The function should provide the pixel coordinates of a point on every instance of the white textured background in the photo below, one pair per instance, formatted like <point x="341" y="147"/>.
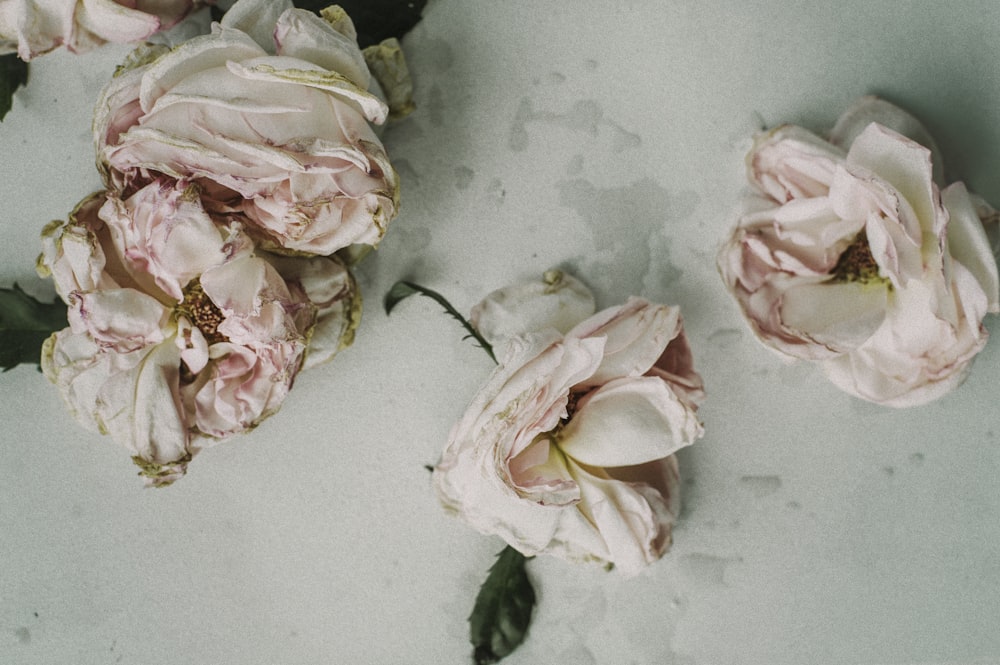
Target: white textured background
<point x="607" y="139"/>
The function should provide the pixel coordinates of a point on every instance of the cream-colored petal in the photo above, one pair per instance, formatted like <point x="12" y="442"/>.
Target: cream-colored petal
<point x="557" y="300"/>
<point x="627" y="422"/>
<point x="838" y="315"/>
<point x="636" y="333"/>
<point x="869" y="109"/>
<point x="968" y="244"/>
<point x="256" y="18"/>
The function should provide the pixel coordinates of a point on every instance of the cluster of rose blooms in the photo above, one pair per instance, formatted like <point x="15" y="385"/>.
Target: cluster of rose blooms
<point x="205" y="275"/>
<point x="850" y="254"/>
<point x="236" y="165"/>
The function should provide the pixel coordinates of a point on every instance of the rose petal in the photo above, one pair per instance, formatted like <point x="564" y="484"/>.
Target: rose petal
<point x="125" y="319"/>
<point x="904" y="164"/>
<point x="627" y="422"/>
<point x="635" y="531"/>
<point x="141" y="407"/>
<point x="871" y="109"/>
<point x="840" y="316"/>
<point x="968" y="243"/>
<point x="256" y="18"/>
<point x="301" y="34"/>
<point x="558" y="301"/>
<point x="791" y="163"/>
<point x="636" y="333"/>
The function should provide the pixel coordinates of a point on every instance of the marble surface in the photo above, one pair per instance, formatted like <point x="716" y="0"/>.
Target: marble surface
<point x="606" y="139"/>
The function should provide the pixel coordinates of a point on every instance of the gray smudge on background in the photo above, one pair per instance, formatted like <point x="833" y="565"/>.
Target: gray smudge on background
<point x="625" y="223"/>
<point x="585" y="116"/>
<point x="761" y="486"/>
<point x="463" y="177"/>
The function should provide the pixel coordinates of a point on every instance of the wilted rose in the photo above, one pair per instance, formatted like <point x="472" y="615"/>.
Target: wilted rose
<point x="181" y="333"/>
<point x="854" y="258"/>
<point x="569" y="447"/>
<point x="34" y="27"/>
<point x="270" y="115"/>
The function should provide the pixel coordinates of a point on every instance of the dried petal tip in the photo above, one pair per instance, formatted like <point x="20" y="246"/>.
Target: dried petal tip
<point x="161" y="475"/>
<point x="388" y="65"/>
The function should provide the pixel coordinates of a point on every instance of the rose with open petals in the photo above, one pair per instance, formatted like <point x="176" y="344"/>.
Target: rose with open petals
<point x="270" y="115"/>
<point x="181" y="333"/>
<point x="569" y="447"/>
<point x="855" y="259"/>
<point x="34" y="27"/>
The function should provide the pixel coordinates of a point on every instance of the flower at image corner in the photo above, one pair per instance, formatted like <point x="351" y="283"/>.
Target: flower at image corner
<point x="181" y="332"/>
<point x="852" y="257"/>
<point x="34" y="27"/>
<point x="569" y="447"/>
<point x="270" y="115"/>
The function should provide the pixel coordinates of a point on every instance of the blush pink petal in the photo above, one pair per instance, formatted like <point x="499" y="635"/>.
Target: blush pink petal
<point x="124" y="319"/>
<point x="636" y="334"/>
<point x="35" y="27"/>
<point x="244" y="388"/>
<point x="163" y="231"/>
<point x="791" y="163"/>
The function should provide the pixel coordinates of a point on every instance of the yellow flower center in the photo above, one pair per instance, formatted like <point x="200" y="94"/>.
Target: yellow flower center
<point x="856" y="263"/>
<point x="202" y="312"/>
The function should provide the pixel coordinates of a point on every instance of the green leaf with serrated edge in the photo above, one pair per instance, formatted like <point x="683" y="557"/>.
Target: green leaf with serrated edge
<point x="402" y="290"/>
<point x="25" y="323"/>
<point x="499" y="621"/>
<point x="13" y="74"/>
<point x="374" y="20"/>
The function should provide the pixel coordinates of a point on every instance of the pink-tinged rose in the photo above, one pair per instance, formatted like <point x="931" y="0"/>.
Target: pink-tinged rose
<point x="270" y="114"/>
<point x="569" y="447"/>
<point x="853" y="257"/>
<point x="181" y="332"/>
<point x="34" y="27"/>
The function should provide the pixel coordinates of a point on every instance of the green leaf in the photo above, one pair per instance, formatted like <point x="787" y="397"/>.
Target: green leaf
<point x="25" y="323"/>
<point x="13" y="74"/>
<point x="403" y="289"/>
<point x="374" y="20"/>
<point x="499" y="621"/>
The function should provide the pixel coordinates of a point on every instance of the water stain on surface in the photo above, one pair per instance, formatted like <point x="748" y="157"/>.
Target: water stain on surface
<point x="724" y="338"/>
<point x="435" y="105"/>
<point x="585" y="116"/>
<point x="439" y="54"/>
<point x="407" y="174"/>
<point x="577" y="654"/>
<point x="761" y="486"/>
<point x="706" y="569"/>
<point x="575" y="165"/>
<point x="463" y="177"/>
<point x="624" y="223"/>
<point x="496" y="190"/>
<point x="23" y="635"/>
